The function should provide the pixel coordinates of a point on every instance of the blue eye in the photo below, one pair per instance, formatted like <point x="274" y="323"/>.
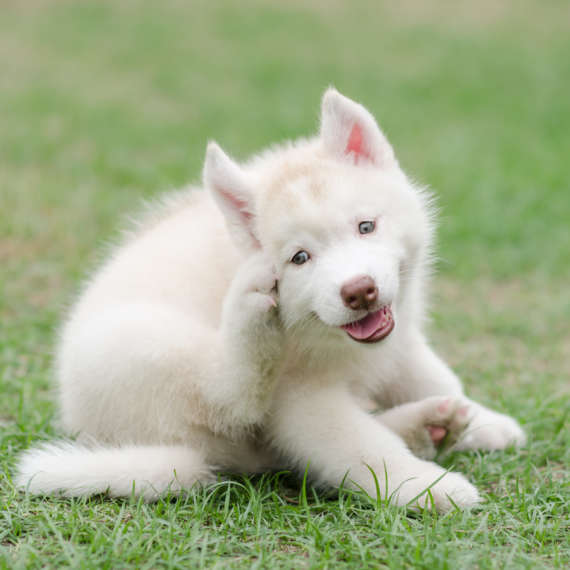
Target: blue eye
<point x="366" y="227"/>
<point x="300" y="257"/>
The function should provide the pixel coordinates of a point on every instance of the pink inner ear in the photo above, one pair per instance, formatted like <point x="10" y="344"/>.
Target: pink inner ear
<point x="355" y="144"/>
<point x="241" y="206"/>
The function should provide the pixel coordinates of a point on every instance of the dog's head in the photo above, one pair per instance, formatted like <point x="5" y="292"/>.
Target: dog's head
<point x="347" y="231"/>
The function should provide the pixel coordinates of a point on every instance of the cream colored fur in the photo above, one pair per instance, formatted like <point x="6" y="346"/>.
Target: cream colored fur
<point x="200" y="346"/>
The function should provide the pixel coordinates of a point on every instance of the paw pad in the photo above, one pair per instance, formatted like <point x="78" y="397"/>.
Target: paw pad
<point x="437" y="433"/>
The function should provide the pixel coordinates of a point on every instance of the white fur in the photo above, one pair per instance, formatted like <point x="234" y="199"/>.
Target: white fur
<point x="147" y="471"/>
<point x="200" y="345"/>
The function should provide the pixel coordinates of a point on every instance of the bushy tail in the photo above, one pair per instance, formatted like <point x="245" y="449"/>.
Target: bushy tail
<point x="75" y="470"/>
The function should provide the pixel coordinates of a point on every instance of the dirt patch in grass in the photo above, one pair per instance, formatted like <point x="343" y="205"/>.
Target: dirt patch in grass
<point x="20" y="249"/>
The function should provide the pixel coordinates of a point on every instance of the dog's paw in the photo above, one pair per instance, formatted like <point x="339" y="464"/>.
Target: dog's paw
<point x="260" y="285"/>
<point x="253" y="292"/>
<point x="431" y="486"/>
<point x="445" y="419"/>
<point x="490" y="430"/>
<point x="430" y="425"/>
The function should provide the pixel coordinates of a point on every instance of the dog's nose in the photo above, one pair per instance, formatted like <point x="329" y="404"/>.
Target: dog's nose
<point x="359" y="293"/>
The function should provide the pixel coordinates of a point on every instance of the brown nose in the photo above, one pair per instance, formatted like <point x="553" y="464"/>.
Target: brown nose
<point x="359" y="293"/>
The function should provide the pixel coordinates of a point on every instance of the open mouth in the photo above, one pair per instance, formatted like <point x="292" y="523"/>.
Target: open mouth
<point x="373" y="327"/>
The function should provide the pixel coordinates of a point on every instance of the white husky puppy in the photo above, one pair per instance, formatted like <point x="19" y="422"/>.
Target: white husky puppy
<point x="244" y="328"/>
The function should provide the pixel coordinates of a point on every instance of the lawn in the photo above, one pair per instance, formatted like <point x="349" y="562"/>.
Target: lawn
<point x="104" y="103"/>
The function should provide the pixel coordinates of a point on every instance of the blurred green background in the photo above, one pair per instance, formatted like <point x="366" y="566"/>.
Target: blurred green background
<point x="105" y="103"/>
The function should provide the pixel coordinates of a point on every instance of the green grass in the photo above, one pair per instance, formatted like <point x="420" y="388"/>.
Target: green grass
<point x="102" y="104"/>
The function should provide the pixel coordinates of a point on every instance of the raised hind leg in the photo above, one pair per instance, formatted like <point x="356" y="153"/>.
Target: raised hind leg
<point x="429" y="425"/>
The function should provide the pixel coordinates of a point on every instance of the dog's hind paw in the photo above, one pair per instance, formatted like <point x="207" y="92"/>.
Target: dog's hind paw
<point x="430" y="425"/>
<point x="490" y="430"/>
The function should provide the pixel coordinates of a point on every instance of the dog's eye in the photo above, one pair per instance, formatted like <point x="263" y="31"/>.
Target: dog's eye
<point x="300" y="257"/>
<point x="366" y="227"/>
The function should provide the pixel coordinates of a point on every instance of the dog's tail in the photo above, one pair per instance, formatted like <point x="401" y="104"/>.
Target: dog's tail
<point x="74" y="470"/>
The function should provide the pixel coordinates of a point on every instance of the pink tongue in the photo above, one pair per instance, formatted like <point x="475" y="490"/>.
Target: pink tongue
<point x="366" y="327"/>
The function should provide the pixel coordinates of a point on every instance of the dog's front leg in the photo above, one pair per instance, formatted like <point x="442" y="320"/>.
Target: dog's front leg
<point x="423" y="374"/>
<point x="321" y="426"/>
<point x="249" y="344"/>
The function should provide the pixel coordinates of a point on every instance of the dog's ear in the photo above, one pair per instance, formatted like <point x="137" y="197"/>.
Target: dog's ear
<point x="349" y="131"/>
<point x="226" y="181"/>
